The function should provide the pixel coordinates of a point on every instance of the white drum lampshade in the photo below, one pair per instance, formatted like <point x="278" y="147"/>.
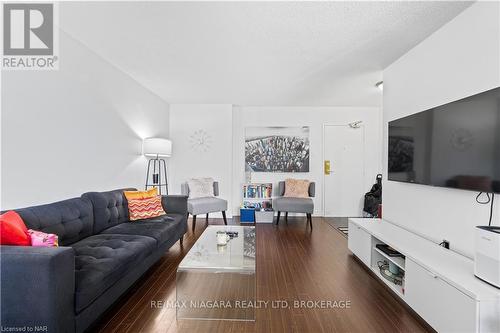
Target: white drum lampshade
<point x="157" y="147"/>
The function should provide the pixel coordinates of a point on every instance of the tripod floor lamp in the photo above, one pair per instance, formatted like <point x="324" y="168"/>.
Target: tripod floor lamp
<point x="157" y="149"/>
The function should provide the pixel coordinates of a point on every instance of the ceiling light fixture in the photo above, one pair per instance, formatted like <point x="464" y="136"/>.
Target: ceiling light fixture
<point x="380" y="85"/>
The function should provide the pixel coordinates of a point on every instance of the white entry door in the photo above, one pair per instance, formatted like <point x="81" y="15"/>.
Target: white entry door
<point x="344" y="188"/>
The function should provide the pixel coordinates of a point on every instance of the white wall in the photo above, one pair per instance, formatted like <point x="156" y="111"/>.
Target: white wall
<point x="225" y="160"/>
<point x="188" y="161"/>
<point x="459" y="60"/>
<point x="315" y="118"/>
<point x="74" y="130"/>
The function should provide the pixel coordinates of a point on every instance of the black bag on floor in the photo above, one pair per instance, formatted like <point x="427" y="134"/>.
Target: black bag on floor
<point x="374" y="198"/>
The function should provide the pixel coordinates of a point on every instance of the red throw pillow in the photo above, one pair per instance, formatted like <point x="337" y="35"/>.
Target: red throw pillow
<point x="12" y="230"/>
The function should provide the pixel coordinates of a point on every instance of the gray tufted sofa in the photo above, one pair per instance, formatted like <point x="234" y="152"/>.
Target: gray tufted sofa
<point x="101" y="255"/>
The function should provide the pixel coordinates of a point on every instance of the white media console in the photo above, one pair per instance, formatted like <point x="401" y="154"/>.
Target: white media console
<point x="439" y="284"/>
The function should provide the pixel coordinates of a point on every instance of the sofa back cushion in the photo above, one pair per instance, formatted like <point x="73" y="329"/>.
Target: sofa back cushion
<point x="71" y="220"/>
<point x="110" y="208"/>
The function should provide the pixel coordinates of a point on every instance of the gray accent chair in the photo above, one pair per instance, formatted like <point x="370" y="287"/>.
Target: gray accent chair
<point x="294" y="205"/>
<point x="198" y="206"/>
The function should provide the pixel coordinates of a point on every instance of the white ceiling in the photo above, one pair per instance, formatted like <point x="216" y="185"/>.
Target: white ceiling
<point x="256" y="53"/>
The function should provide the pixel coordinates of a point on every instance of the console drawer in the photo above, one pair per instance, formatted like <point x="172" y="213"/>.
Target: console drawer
<point x="440" y="304"/>
<point x="360" y="242"/>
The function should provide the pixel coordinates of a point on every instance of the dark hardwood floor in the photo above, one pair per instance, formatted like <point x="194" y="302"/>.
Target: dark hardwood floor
<point x="293" y="263"/>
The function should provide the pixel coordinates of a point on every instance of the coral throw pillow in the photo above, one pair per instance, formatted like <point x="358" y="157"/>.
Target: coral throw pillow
<point x="42" y="239"/>
<point x="12" y="230"/>
<point x="130" y="195"/>
<point x="145" y="208"/>
<point x="297" y="188"/>
<point x="201" y="188"/>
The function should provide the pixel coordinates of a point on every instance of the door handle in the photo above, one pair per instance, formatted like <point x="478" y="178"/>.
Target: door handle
<point x="327" y="167"/>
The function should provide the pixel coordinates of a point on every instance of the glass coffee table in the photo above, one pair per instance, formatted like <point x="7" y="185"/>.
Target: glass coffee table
<point x="218" y="282"/>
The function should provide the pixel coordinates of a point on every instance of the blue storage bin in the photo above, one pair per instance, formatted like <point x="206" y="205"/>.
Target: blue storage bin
<point x="247" y="215"/>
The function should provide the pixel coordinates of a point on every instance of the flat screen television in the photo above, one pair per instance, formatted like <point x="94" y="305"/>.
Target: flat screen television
<point x="454" y="145"/>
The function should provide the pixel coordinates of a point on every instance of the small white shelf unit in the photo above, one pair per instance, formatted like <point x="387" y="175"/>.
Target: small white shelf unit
<point x="260" y="194"/>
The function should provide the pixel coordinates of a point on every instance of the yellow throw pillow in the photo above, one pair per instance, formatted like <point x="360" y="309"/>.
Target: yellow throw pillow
<point x="131" y="195"/>
<point x="297" y="188"/>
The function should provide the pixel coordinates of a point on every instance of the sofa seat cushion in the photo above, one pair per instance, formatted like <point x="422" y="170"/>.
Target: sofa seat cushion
<point x="102" y="260"/>
<point x="161" y="228"/>
<point x="293" y="205"/>
<point x="206" y="205"/>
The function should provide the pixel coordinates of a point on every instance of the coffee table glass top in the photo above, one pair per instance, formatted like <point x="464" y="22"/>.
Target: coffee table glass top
<point x="237" y="256"/>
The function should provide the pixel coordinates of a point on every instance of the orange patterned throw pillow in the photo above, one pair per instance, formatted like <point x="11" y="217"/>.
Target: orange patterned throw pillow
<point x="145" y="208"/>
<point x="297" y="188"/>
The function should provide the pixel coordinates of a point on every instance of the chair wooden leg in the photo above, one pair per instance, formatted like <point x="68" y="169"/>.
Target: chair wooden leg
<point x="286" y="217"/>
<point x="309" y="219"/>
<point x="278" y="218"/>
<point x="194" y="222"/>
<point x="224" y="217"/>
<point x="206" y="219"/>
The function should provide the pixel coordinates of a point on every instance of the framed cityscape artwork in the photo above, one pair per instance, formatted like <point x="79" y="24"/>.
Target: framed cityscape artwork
<point x="277" y="149"/>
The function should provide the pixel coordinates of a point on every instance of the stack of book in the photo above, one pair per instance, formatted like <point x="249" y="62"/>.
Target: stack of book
<point x="260" y="191"/>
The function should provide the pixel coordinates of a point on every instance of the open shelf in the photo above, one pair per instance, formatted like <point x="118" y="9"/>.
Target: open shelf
<point x="398" y="261"/>
<point x="377" y="256"/>
<point x="394" y="287"/>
